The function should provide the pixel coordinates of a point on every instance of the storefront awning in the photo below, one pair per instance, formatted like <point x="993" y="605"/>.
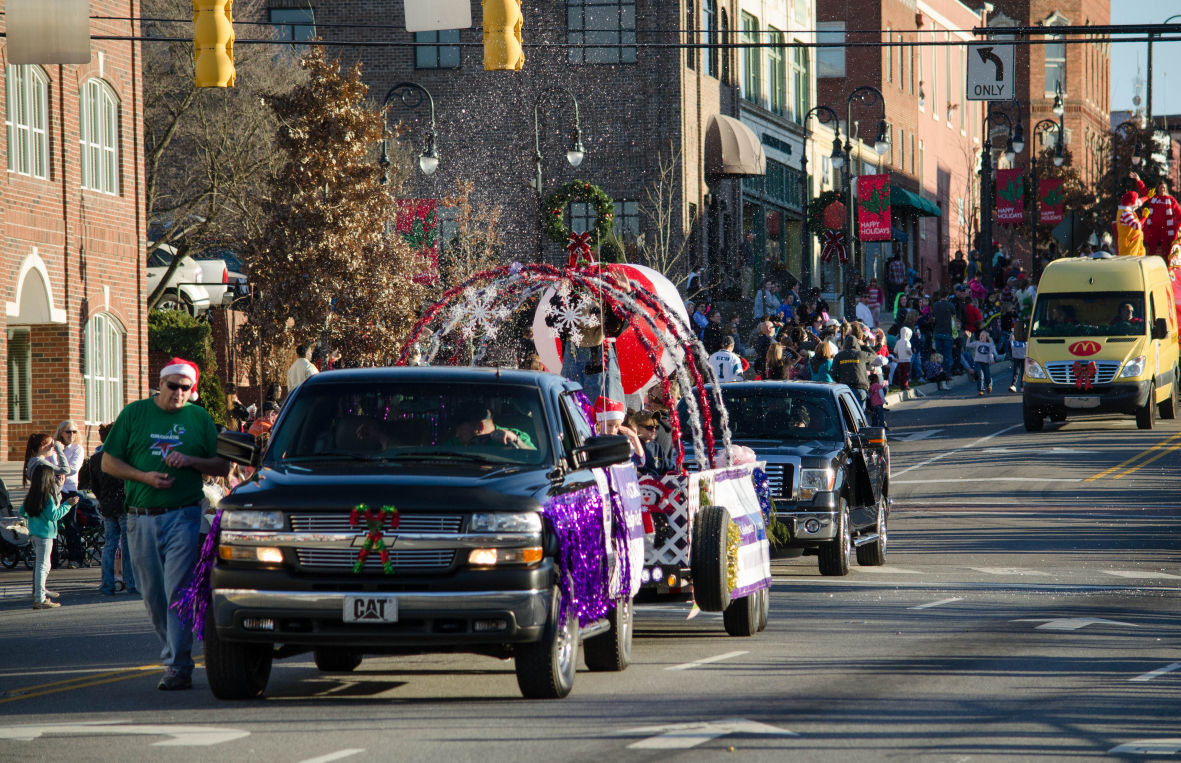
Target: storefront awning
<point x="900" y="197"/>
<point x="732" y="149"/>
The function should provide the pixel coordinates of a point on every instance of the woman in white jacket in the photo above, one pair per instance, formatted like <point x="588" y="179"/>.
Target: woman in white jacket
<point x="902" y="355"/>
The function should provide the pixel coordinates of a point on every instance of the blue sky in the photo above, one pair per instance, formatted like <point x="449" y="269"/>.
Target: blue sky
<point x="1166" y="59"/>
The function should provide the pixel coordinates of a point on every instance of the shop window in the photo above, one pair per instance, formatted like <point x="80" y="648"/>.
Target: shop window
<point x="26" y="118"/>
<point x="752" y="62"/>
<point x="103" y="368"/>
<point x="777" y="68"/>
<point x="20" y="379"/>
<point x="830" y="62"/>
<point x="802" y="83"/>
<point x="99" y="129"/>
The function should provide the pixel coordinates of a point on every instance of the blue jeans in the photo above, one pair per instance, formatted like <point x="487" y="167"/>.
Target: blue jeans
<point x="983" y="375"/>
<point x="877" y="416"/>
<point x="1018" y="373"/>
<point x="945" y="346"/>
<point x="116" y="533"/>
<point x="164" y="550"/>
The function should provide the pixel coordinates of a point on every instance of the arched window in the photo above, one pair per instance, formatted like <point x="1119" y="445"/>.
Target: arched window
<point x="26" y="117"/>
<point x="709" y="36"/>
<point x="102" y="355"/>
<point x="99" y="120"/>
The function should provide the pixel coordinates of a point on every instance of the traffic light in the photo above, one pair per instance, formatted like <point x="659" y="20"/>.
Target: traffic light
<point x="502" y="35"/>
<point x="213" y="43"/>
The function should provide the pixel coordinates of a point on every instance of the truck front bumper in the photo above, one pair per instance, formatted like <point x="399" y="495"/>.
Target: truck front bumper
<point x="1125" y="397"/>
<point x="809" y="523"/>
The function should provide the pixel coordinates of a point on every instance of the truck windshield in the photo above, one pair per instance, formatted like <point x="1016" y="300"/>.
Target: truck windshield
<point x="1105" y="313"/>
<point x="774" y="413"/>
<point x="407" y="422"/>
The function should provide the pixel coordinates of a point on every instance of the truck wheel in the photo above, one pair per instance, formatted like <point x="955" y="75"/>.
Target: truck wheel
<point x="741" y="618"/>
<point x="710" y="557"/>
<point x="834" y="554"/>
<point x="612" y="651"/>
<point x="1034" y="421"/>
<point x="235" y="670"/>
<point x="764" y="608"/>
<point x="1146" y="415"/>
<point x="874" y="554"/>
<point x="545" y="669"/>
<point x="329" y="660"/>
<point x="1167" y="408"/>
<point x="1058" y="416"/>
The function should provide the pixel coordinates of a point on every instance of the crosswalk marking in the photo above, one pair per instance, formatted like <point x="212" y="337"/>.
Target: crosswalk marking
<point x="1140" y="574"/>
<point x="1007" y="571"/>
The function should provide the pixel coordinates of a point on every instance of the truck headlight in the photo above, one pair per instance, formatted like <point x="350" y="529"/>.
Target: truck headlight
<point x="252" y="520"/>
<point x="1034" y="370"/>
<point x="813" y="481"/>
<point x="1133" y="368"/>
<point x="496" y="522"/>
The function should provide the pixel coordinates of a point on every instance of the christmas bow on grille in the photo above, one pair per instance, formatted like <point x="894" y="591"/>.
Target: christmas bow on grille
<point x="375" y="521"/>
<point x="579" y="248"/>
<point x="833" y="243"/>
<point x="1084" y="374"/>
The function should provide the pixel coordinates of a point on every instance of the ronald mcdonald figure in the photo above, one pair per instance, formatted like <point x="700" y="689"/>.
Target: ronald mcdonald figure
<point x="1129" y="233"/>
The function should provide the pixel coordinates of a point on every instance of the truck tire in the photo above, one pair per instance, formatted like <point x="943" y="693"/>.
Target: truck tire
<point x="710" y="555"/>
<point x="764" y="608"/>
<point x="612" y="651"/>
<point x="1167" y="408"/>
<point x="332" y="660"/>
<point x="741" y="618"/>
<point x="1034" y="421"/>
<point x="835" y="554"/>
<point x="235" y="670"/>
<point x="545" y="669"/>
<point x="1146" y="415"/>
<point x="1058" y="416"/>
<point x="874" y="554"/>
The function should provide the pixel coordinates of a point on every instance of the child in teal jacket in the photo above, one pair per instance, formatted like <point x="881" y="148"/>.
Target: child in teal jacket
<point x="43" y="507"/>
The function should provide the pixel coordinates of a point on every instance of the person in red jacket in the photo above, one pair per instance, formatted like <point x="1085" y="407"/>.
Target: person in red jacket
<point x="1163" y="223"/>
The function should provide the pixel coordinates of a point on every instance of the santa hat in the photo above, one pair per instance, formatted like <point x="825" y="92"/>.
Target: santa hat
<point x="185" y="368"/>
<point x="607" y="409"/>
<point x="1130" y="199"/>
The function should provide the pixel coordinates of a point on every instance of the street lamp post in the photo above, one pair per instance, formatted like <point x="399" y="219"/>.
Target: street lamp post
<point x="1136" y="158"/>
<point x="1043" y="125"/>
<point x="1012" y="145"/>
<point x="838" y="160"/>
<point x="1148" y="93"/>
<point x="881" y="145"/>
<point x="411" y="94"/>
<point x="574" y="153"/>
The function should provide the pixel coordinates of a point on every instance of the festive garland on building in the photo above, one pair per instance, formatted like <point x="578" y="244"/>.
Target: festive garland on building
<point x="816" y="209"/>
<point x="553" y="213"/>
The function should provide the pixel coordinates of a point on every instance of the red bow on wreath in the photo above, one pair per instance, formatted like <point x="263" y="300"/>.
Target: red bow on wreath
<point x="833" y="243"/>
<point x="375" y="520"/>
<point x="579" y="248"/>
<point x="1084" y="374"/>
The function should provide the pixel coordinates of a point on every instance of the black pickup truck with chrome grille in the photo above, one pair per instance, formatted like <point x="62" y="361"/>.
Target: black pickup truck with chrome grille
<point x="459" y="471"/>
<point x="829" y="472"/>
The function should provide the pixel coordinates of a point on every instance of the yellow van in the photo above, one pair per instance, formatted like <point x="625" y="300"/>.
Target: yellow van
<point x="1102" y="339"/>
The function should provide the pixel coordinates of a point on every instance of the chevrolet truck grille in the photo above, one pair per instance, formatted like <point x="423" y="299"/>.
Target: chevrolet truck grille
<point x="403" y="561"/>
<point x="338" y="522"/>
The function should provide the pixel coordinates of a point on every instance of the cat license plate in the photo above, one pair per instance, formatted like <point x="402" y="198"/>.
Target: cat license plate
<point x="370" y="609"/>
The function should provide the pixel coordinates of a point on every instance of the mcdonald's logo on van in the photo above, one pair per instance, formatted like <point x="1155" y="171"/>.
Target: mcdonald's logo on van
<point x="1085" y="348"/>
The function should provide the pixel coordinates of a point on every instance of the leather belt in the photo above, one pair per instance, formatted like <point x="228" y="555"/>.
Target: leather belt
<point x="151" y="511"/>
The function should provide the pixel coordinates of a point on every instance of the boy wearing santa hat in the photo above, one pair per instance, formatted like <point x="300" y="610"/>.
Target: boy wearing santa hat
<point x="162" y="447"/>
<point x="609" y="416"/>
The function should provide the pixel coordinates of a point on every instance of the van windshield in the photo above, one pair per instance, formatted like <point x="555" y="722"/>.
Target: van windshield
<point x="1105" y="313"/>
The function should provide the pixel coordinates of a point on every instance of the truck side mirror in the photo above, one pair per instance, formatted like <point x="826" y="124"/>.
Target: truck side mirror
<point x="873" y="437"/>
<point x="239" y="448"/>
<point x="1160" y="329"/>
<point x="603" y="450"/>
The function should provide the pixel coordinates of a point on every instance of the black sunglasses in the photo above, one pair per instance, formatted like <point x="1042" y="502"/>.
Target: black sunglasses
<point x="69" y="431"/>
<point x="174" y="386"/>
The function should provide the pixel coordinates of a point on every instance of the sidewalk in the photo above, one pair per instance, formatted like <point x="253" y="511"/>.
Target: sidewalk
<point x="1001" y="372"/>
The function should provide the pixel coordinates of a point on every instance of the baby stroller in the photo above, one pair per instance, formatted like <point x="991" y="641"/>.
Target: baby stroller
<point x="90" y="530"/>
<point x="14" y="536"/>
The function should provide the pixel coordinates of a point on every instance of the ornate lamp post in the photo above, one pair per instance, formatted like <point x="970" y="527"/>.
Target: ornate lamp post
<point x="1043" y="125"/>
<point x="574" y="153"/>
<point x="411" y="94"/>
<point x="1122" y="127"/>
<point x="837" y="158"/>
<point x="881" y="145"/>
<point x="1014" y="143"/>
<point x="1148" y="94"/>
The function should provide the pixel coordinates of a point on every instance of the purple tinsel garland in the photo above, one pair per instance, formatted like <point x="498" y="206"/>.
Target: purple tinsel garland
<point x="588" y="409"/>
<point x="194" y="599"/>
<point x="620" y="534"/>
<point x="763" y="491"/>
<point x="577" y="521"/>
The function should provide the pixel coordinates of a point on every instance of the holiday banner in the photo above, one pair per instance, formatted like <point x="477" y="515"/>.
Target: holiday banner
<point x="1052" y="201"/>
<point x="1010" y="197"/>
<point x="873" y="208"/>
<point x="417" y="222"/>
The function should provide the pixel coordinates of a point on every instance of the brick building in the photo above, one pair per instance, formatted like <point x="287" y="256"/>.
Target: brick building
<point x="71" y="236"/>
<point x="637" y="106"/>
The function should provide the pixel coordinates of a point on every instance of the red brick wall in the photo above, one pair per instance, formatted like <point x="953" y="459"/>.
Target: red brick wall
<point x="91" y="242"/>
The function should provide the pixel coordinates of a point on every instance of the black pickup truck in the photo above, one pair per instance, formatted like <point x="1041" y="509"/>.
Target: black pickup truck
<point x="829" y="472"/>
<point x="474" y="462"/>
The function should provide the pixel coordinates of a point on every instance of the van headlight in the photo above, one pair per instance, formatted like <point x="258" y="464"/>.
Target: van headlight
<point x="813" y="481"/>
<point x="496" y="522"/>
<point x="1133" y="368"/>
<point x="252" y="520"/>
<point x="1034" y="370"/>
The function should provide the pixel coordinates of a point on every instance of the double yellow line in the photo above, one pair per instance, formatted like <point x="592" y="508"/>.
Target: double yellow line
<point x="79" y="682"/>
<point x="1161" y="449"/>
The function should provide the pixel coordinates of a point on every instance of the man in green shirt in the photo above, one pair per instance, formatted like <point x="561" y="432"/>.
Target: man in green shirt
<point x="161" y="447"/>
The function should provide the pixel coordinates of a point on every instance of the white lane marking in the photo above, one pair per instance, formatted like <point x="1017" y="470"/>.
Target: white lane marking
<point x="947" y="453"/>
<point x="922" y="434"/>
<point x="1070" y="623"/>
<point x="1007" y="571"/>
<point x="885" y="570"/>
<point x="181" y="736"/>
<point x="1148" y="747"/>
<point x="958" y="480"/>
<point x="335" y="755"/>
<point x="1156" y="673"/>
<point x="682" y="736"/>
<point x="1140" y="575"/>
<point x="706" y="661"/>
<point x="980" y="585"/>
<point x="939" y="603"/>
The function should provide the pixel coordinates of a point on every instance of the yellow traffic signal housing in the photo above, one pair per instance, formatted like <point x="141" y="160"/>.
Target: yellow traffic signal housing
<point x="213" y="42"/>
<point x="502" y="35"/>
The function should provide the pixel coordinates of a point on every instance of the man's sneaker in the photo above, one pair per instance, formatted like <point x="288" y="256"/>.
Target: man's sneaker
<point x="174" y="680"/>
<point x="989" y="389"/>
<point x="980" y="393"/>
<point x="1012" y="387"/>
<point x="47" y="604"/>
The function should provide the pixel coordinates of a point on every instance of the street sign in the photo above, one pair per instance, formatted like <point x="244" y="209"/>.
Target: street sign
<point x="991" y="72"/>
<point x="430" y="15"/>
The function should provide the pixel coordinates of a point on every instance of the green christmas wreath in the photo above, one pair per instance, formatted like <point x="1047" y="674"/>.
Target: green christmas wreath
<point x="816" y="209"/>
<point x="553" y="212"/>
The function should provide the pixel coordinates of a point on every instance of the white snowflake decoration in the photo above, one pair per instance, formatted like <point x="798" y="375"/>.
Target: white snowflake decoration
<point x="571" y="314"/>
<point x="479" y="313"/>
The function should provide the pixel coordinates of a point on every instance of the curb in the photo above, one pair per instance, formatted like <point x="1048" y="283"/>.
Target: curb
<point x="958" y="383"/>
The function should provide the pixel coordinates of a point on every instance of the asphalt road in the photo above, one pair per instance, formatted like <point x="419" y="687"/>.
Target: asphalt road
<point x="1028" y="609"/>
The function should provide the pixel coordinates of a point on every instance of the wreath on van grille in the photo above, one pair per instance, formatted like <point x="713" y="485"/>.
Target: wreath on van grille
<point x="553" y="212"/>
